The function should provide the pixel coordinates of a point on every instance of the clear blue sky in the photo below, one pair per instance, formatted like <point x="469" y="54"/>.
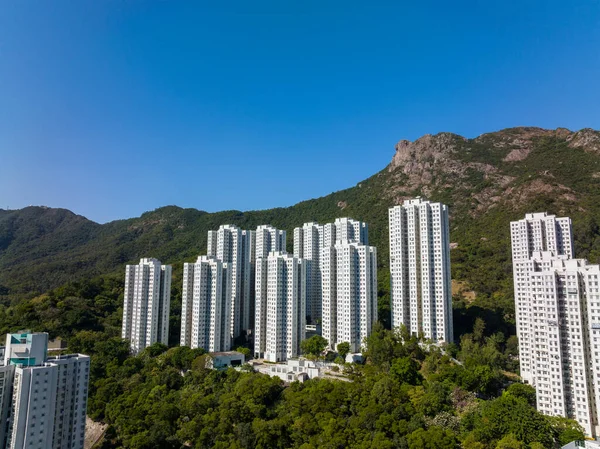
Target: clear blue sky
<point x="112" y="108"/>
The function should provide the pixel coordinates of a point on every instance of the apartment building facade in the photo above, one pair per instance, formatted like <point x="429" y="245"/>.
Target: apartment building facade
<point x="147" y="302"/>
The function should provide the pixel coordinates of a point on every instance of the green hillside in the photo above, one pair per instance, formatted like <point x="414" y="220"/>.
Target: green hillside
<point x="487" y="182"/>
<point x="63" y="274"/>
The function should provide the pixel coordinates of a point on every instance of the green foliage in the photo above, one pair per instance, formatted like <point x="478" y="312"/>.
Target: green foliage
<point x="566" y="430"/>
<point x="432" y="438"/>
<point x="508" y="414"/>
<point x="314" y="345"/>
<point x="343" y="349"/>
<point x="510" y="442"/>
<point x="406" y="370"/>
<point x="523" y="391"/>
<point x="406" y="396"/>
<point x="246" y="351"/>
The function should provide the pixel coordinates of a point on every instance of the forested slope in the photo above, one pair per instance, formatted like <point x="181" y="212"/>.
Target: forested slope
<point x="487" y="182"/>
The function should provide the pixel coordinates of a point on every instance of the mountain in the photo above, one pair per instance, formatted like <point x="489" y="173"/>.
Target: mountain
<point x="487" y="182"/>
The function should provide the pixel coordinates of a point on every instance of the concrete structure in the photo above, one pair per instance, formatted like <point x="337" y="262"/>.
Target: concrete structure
<point x="587" y="444"/>
<point x="269" y="239"/>
<point x="48" y="395"/>
<point x="307" y="246"/>
<point x="421" y="292"/>
<point x="146" y="304"/>
<point x="536" y="233"/>
<point x="223" y="360"/>
<point x="355" y="308"/>
<point x="310" y="241"/>
<point x="566" y="320"/>
<point x="280" y="330"/>
<point x="236" y="247"/>
<point x="295" y="370"/>
<point x="205" y="305"/>
<point x="347" y="229"/>
<point x="347" y="312"/>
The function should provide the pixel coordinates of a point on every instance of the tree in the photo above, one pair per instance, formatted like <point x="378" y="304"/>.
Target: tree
<point x="566" y="429"/>
<point x="432" y="438"/>
<point x="313" y="345"/>
<point x="536" y="445"/>
<point x="510" y="442"/>
<point x="247" y="353"/>
<point x="471" y="443"/>
<point x="406" y="370"/>
<point x="523" y="391"/>
<point x="343" y="349"/>
<point x="478" y="330"/>
<point x="508" y="414"/>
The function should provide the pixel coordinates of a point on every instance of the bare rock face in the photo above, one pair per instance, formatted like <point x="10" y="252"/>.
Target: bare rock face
<point x="587" y="138"/>
<point x="423" y="152"/>
<point x="447" y="162"/>
<point x="518" y="154"/>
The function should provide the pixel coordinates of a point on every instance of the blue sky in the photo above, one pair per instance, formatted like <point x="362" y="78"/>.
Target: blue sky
<point x="112" y="108"/>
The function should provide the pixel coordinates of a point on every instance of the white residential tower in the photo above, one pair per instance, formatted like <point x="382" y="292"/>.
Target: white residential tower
<point x="205" y="305"/>
<point x="48" y="395"/>
<point x="421" y="292"/>
<point x="146" y="304"/>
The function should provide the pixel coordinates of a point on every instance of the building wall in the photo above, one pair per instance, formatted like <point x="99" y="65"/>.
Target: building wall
<point x="146" y="304"/>
<point x="72" y="373"/>
<point x="536" y="233"/>
<point x="204" y="305"/>
<point x="421" y="293"/>
<point x="48" y="396"/>
<point x="307" y="245"/>
<point x="329" y="291"/>
<point x="286" y="306"/>
<point x="34" y="400"/>
<point x="562" y="351"/>
<point x="6" y="382"/>
<point x="356" y="287"/>
<point x="260" y="327"/>
<point x="187" y="301"/>
<point x="237" y="248"/>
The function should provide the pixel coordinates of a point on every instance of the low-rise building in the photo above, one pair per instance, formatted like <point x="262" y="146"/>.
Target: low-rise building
<point x="295" y="370"/>
<point x="223" y="360"/>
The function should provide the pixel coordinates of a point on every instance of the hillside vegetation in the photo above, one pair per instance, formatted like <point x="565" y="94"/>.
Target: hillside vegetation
<point x="63" y="274"/>
<point x="487" y="182"/>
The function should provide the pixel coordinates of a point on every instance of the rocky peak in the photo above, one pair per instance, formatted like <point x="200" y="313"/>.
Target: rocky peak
<point x="586" y="138"/>
<point x="428" y="149"/>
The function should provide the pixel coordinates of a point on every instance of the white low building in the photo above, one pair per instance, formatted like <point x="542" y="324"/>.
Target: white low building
<point x="223" y="360"/>
<point x="295" y="369"/>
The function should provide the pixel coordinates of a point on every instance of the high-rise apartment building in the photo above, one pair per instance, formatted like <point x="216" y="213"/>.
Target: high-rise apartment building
<point x="355" y="309"/>
<point x="348" y="275"/>
<point x="565" y="306"/>
<point x="236" y="247"/>
<point x="147" y="304"/>
<point x="310" y="241"/>
<point x="421" y="291"/>
<point x="43" y="398"/>
<point x="268" y="239"/>
<point x="347" y="229"/>
<point x="205" y="302"/>
<point x="307" y="245"/>
<point x="278" y="337"/>
<point x="536" y="233"/>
